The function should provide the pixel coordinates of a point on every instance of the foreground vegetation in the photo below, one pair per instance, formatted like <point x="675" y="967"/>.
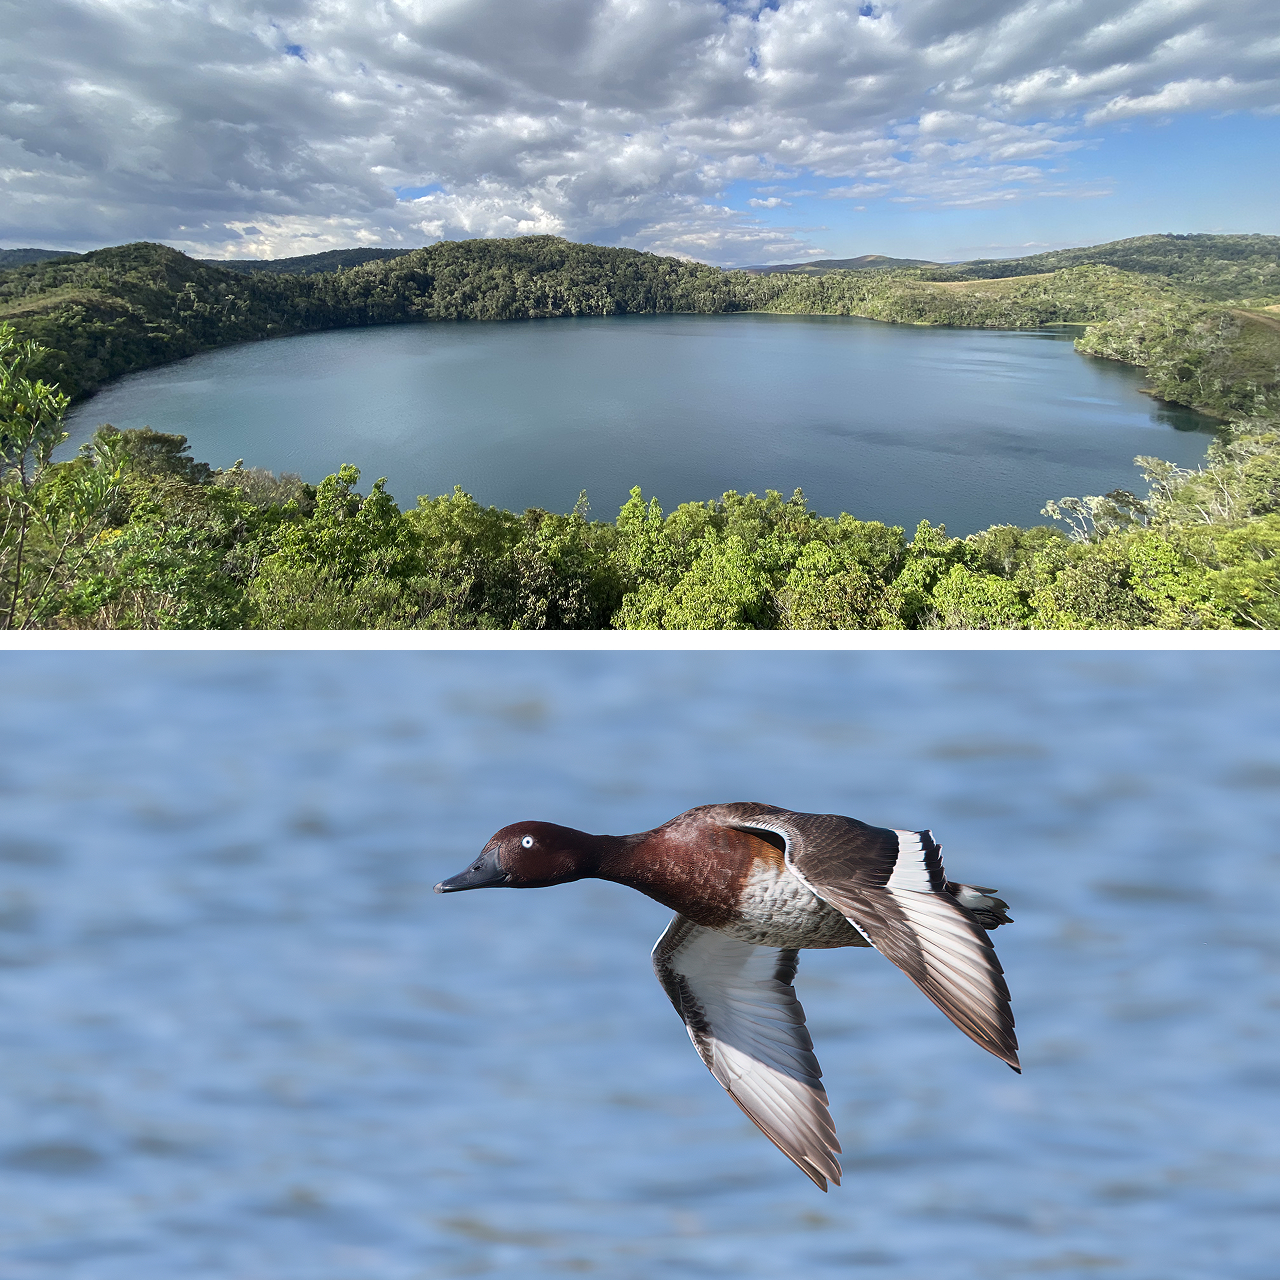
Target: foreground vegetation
<point x="135" y="533"/>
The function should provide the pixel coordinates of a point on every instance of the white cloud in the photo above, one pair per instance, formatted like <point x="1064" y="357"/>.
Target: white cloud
<point x="622" y="121"/>
<point x="1187" y="95"/>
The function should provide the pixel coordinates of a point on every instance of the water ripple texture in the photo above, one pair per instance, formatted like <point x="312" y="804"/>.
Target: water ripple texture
<point x="242" y="1040"/>
<point x="898" y="423"/>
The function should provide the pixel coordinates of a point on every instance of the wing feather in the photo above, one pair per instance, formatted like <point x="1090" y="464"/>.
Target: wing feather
<point x="743" y="1017"/>
<point x="891" y="886"/>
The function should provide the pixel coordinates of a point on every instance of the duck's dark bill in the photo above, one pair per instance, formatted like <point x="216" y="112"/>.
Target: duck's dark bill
<point x="484" y="873"/>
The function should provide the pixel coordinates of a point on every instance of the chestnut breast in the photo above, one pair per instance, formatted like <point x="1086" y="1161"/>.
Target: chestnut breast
<point x="696" y="868"/>
<point x="732" y="881"/>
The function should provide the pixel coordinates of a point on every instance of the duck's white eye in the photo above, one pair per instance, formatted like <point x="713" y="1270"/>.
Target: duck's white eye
<point x="527" y="842"/>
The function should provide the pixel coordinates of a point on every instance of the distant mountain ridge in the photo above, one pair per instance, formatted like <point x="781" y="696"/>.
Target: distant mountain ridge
<point x="24" y="257"/>
<point x="867" y="262"/>
<point x="1217" y="267"/>
<point x="309" y="264"/>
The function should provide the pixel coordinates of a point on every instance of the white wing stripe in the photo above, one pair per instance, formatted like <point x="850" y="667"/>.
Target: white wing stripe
<point x="743" y="1072"/>
<point x="768" y="1091"/>
<point x="959" y="945"/>
<point x="933" y="902"/>
<point x="952" y="951"/>
<point x="910" y="871"/>
<point x="962" y="938"/>
<point x="943" y="932"/>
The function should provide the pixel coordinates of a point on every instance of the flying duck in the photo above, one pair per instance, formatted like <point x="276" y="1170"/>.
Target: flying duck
<point x="751" y="885"/>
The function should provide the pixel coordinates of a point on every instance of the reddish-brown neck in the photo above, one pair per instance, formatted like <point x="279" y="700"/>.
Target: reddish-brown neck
<point x="697" y="869"/>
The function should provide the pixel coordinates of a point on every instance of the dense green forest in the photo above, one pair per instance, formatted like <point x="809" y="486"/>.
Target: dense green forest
<point x="115" y="311"/>
<point x="135" y="533"/>
<point x="118" y="310"/>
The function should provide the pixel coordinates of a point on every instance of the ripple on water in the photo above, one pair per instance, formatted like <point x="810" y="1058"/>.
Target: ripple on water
<point x="898" y="423"/>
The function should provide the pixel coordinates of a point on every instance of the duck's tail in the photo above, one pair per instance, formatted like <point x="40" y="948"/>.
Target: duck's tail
<point x="991" y="912"/>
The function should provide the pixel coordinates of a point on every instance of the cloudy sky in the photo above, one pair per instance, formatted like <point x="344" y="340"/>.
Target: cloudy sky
<point x="721" y="130"/>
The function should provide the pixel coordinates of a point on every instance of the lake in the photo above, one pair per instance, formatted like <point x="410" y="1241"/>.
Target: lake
<point x="898" y="423"/>
<point x="243" y="1040"/>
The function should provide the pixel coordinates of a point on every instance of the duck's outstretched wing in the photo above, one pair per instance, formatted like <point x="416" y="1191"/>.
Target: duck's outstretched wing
<point x="743" y="1017"/>
<point x="891" y="887"/>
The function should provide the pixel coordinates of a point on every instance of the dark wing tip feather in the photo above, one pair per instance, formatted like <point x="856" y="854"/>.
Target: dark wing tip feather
<point x="804" y="1163"/>
<point x="991" y="1027"/>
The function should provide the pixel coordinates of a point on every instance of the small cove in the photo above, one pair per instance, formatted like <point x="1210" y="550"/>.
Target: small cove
<point x="968" y="427"/>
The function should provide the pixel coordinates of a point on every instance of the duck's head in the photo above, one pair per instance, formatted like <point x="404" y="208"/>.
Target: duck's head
<point x="527" y="855"/>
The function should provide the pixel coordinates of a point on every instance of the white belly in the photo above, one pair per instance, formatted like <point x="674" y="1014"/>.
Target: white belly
<point x="778" y="910"/>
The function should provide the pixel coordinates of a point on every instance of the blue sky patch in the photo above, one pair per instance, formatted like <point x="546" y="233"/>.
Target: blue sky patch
<point x="416" y="193"/>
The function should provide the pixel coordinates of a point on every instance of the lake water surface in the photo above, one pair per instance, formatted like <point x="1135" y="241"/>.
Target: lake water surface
<point x="899" y="423"/>
<point x="241" y="1039"/>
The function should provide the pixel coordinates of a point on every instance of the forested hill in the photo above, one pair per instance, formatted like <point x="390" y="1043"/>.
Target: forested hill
<point x="1211" y="267"/>
<point x="309" y="264"/>
<point x="114" y="311"/>
<point x="1214" y="267"/>
<point x="823" y="266"/>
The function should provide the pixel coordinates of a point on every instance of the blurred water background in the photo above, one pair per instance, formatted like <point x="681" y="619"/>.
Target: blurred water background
<point x="242" y="1040"/>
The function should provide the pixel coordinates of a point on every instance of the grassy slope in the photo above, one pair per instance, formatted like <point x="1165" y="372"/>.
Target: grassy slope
<point x="1217" y="268"/>
<point x="1265" y="316"/>
<point x="1259" y="348"/>
<point x="1078" y="295"/>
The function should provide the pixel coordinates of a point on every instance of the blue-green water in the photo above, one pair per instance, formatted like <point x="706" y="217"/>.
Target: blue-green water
<point x="243" y="1040"/>
<point x="890" y="422"/>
